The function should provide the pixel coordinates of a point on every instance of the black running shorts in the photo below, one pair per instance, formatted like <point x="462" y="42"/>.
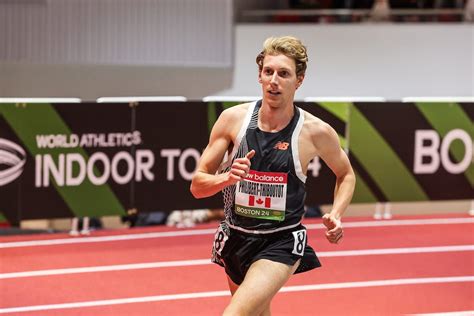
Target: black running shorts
<point x="236" y="251"/>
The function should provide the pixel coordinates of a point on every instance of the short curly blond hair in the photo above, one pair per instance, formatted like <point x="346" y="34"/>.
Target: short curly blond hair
<point x="287" y="45"/>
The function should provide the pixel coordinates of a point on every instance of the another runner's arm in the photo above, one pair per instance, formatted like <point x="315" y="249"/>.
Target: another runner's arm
<point x="329" y="149"/>
<point x="205" y="181"/>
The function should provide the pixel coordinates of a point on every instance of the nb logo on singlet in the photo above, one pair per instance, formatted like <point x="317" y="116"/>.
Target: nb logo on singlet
<point x="281" y="146"/>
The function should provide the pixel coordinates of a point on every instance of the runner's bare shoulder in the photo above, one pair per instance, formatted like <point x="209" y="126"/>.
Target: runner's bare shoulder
<point x="233" y="117"/>
<point x="236" y="111"/>
<point x="315" y="134"/>
<point x="315" y="126"/>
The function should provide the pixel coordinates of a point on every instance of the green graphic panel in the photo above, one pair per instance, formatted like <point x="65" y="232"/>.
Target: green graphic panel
<point x="339" y="109"/>
<point x="211" y="116"/>
<point x="445" y="117"/>
<point x="212" y="110"/>
<point x="227" y="105"/>
<point x="381" y="162"/>
<point x="362" y="193"/>
<point x="2" y="218"/>
<point x="33" y="119"/>
<point x="342" y="141"/>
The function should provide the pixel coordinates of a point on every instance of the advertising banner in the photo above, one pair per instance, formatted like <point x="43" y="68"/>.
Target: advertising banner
<point x="98" y="159"/>
<point x="72" y="153"/>
<point x="412" y="151"/>
<point x="174" y="135"/>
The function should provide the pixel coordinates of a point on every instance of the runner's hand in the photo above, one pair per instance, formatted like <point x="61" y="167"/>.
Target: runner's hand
<point x="240" y="167"/>
<point x="334" y="232"/>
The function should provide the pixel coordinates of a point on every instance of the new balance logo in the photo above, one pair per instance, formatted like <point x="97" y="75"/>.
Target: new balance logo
<point x="281" y="146"/>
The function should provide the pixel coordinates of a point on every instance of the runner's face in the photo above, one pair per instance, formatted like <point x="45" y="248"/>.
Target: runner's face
<point x="278" y="79"/>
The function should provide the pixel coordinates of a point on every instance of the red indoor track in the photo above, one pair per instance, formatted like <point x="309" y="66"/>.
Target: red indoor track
<point x="407" y="265"/>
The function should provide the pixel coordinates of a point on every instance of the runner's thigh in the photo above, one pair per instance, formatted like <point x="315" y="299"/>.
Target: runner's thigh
<point x="263" y="280"/>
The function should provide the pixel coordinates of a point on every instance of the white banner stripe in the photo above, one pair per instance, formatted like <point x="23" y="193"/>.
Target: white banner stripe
<point x="312" y="287"/>
<point x="183" y="263"/>
<point x="195" y="232"/>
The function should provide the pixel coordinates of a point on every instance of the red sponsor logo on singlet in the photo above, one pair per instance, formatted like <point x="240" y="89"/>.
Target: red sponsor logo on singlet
<point x="281" y="146"/>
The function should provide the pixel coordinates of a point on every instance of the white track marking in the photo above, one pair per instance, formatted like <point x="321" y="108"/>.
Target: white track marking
<point x="299" y="288"/>
<point x="72" y="240"/>
<point x="390" y="251"/>
<point x="410" y="222"/>
<point x="183" y="263"/>
<point x="118" y="267"/>
<point x="458" y="313"/>
<point x="80" y="240"/>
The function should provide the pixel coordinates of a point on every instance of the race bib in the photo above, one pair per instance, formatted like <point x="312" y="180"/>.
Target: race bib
<point x="262" y="195"/>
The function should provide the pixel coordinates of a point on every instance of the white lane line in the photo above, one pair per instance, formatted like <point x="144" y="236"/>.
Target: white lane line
<point x="404" y="222"/>
<point x="389" y="251"/>
<point x="194" y="232"/>
<point x="457" y="313"/>
<point x="183" y="263"/>
<point x="298" y="288"/>
<point x="80" y="240"/>
<point x="118" y="267"/>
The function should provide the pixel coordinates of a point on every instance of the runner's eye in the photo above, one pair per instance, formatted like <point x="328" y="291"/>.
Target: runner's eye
<point x="268" y="72"/>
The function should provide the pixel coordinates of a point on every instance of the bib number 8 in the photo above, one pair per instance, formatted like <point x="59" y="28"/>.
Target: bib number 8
<point x="299" y="242"/>
<point x="219" y="240"/>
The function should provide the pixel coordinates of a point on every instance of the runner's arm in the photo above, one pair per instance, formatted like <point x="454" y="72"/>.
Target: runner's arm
<point x="331" y="152"/>
<point x="205" y="181"/>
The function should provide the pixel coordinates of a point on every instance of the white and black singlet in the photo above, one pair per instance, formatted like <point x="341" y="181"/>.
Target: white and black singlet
<point x="272" y="196"/>
<point x="263" y="213"/>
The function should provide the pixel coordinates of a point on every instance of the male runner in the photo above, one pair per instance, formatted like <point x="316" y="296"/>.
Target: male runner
<point x="269" y="144"/>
